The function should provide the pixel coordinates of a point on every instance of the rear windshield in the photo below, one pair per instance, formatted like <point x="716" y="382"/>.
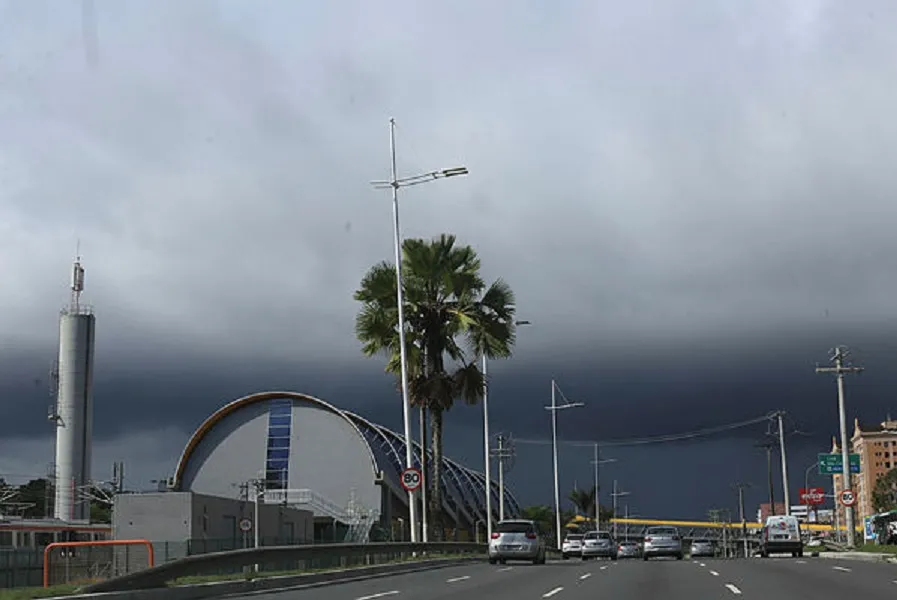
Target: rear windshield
<point x="515" y="527"/>
<point x="662" y="531"/>
<point x="628" y="544"/>
<point x="702" y="541"/>
<point x="603" y="535"/>
<point x="574" y="537"/>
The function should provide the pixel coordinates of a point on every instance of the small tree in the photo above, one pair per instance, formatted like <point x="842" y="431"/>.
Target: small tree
<point x="884" y="494"/>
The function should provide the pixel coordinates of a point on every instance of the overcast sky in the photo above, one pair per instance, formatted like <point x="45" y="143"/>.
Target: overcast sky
<point x="693" y="201"/>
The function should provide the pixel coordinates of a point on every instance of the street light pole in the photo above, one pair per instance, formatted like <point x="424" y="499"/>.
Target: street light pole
<point x="394" y="184"/>
<point x="807" y="490"/>
<point x="616" y="495"/>
<point x="597" y="461"/>
<point x="786" y="492"/>
<point x="487" y="453"/>
<point x="554" y="408"/>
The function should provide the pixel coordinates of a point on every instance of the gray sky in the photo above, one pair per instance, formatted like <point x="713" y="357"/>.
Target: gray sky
<point x="644" y="174"/>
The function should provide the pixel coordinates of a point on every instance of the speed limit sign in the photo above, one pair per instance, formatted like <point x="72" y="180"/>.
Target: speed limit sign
<point x="411" y="479"/>
<point x="848" y="498"/>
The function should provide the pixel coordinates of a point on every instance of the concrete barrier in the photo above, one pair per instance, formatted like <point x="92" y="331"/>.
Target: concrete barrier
<point x="240" y="587"/>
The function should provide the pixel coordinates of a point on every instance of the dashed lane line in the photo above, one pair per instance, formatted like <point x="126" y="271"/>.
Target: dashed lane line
<point x="585" y="576"/>
<point x="552" y="592"/>
<point x="714" y="573"/>
<point x="731" y="587"/>
<point x="842" y="569"/>
<point x="457" y="579"/>
<point x="380" y="595"/>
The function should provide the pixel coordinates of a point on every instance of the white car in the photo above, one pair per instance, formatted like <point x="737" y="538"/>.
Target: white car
<point x="572" y="545"/>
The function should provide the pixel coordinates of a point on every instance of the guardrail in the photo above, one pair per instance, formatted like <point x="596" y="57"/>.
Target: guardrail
<point x="280" y="558"/>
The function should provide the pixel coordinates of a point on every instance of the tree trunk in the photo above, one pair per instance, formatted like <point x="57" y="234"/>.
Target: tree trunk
<point x="437" y="522"/>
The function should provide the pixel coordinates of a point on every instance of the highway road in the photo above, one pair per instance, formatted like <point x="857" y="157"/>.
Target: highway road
<point x="769" y="579"/>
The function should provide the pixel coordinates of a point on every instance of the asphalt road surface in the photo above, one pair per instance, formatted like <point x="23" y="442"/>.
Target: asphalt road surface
<point x="766" y="579"/>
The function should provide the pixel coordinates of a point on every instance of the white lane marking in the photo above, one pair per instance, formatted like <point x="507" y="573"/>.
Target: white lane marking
<point x="380" y="595"/>
<point x="456" y="579"/>
<point x="603" y="567"/>
<point x="714" y="573"/>
<point x="845" y="569"/>
<point x="505" y="569"/>
<point x="587" y="575"/>
<point x="801" y="562"/>
<point x="733" y="589"/>
<point x="552" y="592"/>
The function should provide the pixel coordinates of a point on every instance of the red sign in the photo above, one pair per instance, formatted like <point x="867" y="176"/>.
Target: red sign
<point x="813" y="495"/>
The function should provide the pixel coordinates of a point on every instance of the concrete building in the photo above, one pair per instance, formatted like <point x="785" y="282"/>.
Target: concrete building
<point x="183" y="523"/>
<point x="308" y="454"/>
<point x="877" y="447"/>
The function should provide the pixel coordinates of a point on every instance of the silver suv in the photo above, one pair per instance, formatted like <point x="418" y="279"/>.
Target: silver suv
<point x="662" y="541"/>
<point x="516" y="540"/>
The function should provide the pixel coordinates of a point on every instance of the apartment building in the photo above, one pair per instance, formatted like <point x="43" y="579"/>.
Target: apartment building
<point x="877" y="447"/>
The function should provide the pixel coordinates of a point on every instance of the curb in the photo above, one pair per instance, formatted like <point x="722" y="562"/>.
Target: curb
<point x="224" y="589"/>
<point x="859" y="556"/>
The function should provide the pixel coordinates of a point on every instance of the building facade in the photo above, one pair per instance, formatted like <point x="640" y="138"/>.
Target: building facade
<point x="877" y="447"/>
<point x="308" y="454"/>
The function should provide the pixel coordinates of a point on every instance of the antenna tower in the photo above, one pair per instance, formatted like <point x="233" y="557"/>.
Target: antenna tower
<point x="77" y="282"/>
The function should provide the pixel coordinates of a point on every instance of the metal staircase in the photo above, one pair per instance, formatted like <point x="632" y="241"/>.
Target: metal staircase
<point x="358" y="519"/>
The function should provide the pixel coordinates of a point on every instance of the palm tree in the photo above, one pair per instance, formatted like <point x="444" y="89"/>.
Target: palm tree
<point x="452" y="318"/>
<point x="584" y="501"/>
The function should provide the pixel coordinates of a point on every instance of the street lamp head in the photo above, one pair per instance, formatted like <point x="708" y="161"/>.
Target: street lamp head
<point x="563" y="406"/>
<point x="453" y="172"/>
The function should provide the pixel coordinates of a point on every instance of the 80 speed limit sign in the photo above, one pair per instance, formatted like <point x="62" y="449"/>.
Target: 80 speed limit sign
<point x="848" y="498"/>
<point x="411" y="479"/>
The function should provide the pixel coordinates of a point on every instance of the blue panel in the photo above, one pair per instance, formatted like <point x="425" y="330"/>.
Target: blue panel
<point x="281" y="408"/>
<point x="279" y="420"/>
<point x="275" y="432"/>
<point x="278" y="442"/>
<point x="278" y="465"/>
<point x="278" y="453"/>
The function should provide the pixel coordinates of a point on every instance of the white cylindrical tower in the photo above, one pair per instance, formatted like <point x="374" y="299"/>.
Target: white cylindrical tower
<point x="74" y="406"/>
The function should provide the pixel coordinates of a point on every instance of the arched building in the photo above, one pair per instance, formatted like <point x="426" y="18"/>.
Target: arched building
<point x="310" y="454"/>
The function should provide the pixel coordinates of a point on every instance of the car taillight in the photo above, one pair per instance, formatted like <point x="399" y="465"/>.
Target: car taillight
<point x="647" y="539"/>
<point x="530" y="536"/>
<point x="495" y="535"/>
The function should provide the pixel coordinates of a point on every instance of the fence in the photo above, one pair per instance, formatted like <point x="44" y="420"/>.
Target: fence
<point x="87" y="562"/>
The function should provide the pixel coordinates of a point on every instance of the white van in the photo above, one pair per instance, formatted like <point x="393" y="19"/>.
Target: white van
<point x="781" y="534"/>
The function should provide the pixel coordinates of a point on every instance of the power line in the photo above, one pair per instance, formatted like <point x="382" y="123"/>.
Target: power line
<point x="676" y="437"/>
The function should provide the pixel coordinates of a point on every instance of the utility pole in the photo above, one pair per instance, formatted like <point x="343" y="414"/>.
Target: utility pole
<point x="839" y="354"/>
<point x="768" y="444"/>
<point x="740" y="487"/>
<point x="597" y="495"/>
<point x="780" y="416"/>
<point x="616" y="494"/>
<point x="504" y="452"/>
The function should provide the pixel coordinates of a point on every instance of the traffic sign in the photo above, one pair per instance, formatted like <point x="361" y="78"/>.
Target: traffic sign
<point x="813" y="495"/>
<point x="847" y="497"/>
<point x="411" y="479"/>
<point x="833" y="464"/>
<point x="245" y="524"/>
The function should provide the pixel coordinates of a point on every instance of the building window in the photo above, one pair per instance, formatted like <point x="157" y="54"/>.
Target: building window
<point x="280" y="415"/>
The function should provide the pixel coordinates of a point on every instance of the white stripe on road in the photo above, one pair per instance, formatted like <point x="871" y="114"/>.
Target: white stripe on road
<point x="603" y="567"/>
<point x="380" y="595"/>
<point x="586" y="576"/>
<point x="845" y="569"/>
<point x="801" y="562"/>
<point x="552" y="592"/>
<point x="733" y="589"/>
<point x="702" y="564"/>
<point x="714" y="573"/>
<point x="505" y="569"/>
<point x="455" y="579"/>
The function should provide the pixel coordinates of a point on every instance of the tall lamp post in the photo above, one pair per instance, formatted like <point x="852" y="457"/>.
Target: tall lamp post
<point x="807" y="491"/>
<point x="394" y="183"/>
<point x="617" y="494"/>
<point x="597" y="461"/>
<point x="487" y="462"/>
<point x="554" y="408"/>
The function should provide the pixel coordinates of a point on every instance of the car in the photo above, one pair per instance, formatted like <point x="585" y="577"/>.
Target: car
<point x="598" y="544"/>
<point x="516" y="539"/>
<point x="662" y="541"/>
<point x="628" y="550"/>
<point x="702" y="547"/>
<point x="572" y="546"/>
<point x="781" y="534"/>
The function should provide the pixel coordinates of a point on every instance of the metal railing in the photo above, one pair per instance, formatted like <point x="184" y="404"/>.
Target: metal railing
<point x="284" y="559"/>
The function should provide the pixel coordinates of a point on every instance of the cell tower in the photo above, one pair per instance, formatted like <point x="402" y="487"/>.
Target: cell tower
<point x="73" y="414"/>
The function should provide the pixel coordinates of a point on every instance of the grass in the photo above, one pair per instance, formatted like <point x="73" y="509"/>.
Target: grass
<point x="66" y="590"/>
<point x="877" y="549"/>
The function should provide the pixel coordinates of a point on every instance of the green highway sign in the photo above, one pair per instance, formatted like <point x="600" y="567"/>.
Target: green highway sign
<point x="833" y="464"/>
